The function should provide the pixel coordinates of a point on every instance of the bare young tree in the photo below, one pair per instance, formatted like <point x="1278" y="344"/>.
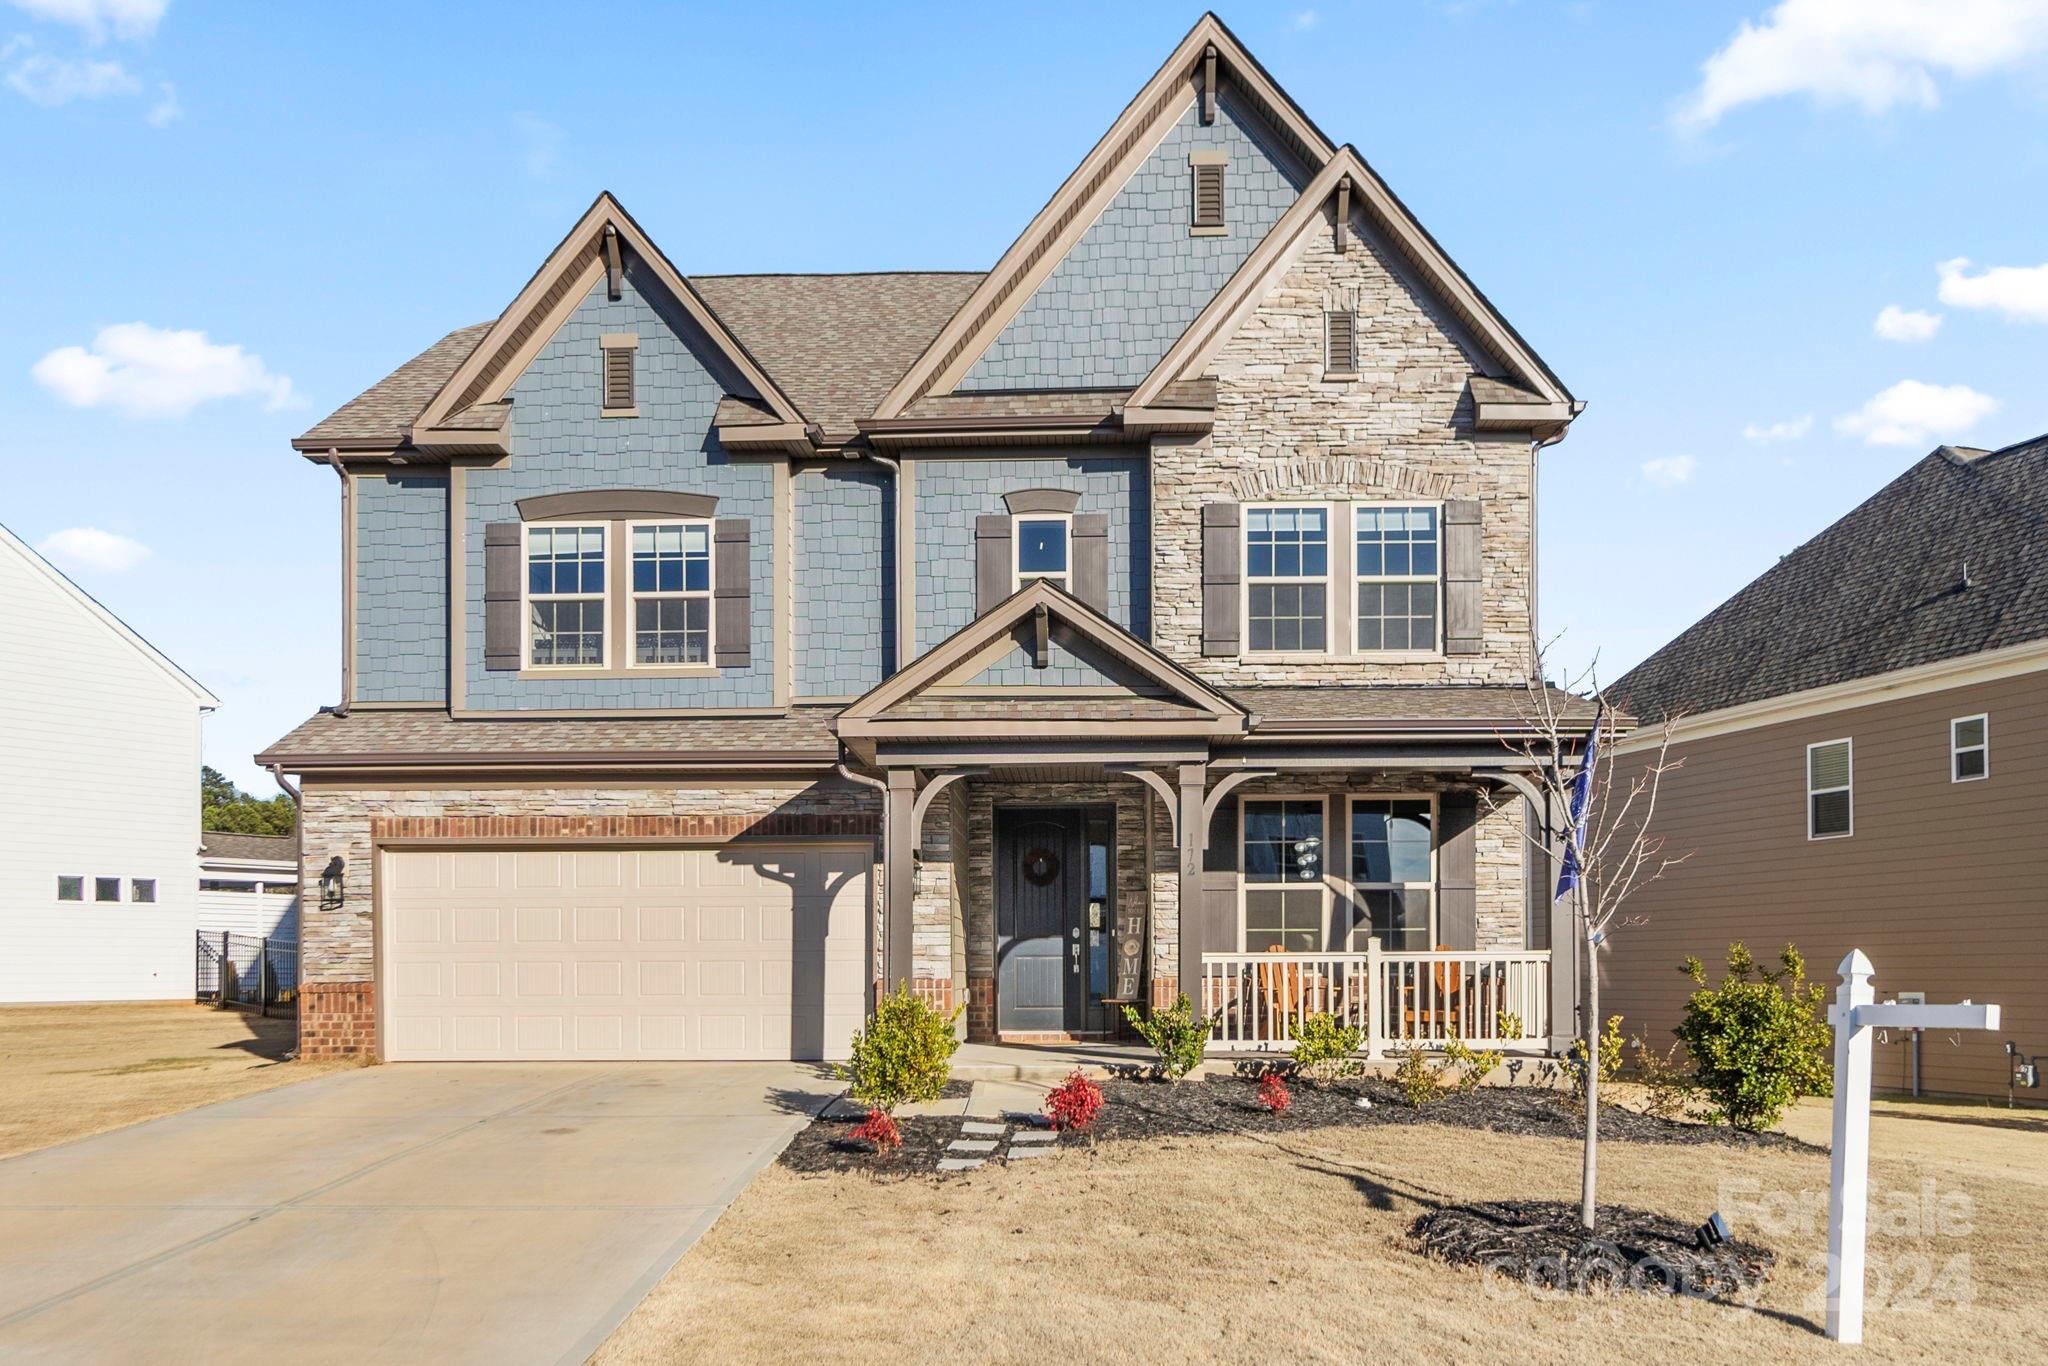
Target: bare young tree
<point x="1618" y="853"/>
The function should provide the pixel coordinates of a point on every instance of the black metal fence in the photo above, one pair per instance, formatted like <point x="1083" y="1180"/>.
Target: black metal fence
<point x="245" y="969"/>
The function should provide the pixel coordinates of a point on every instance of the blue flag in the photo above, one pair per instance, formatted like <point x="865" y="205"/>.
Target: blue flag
<point x="1582" y="796"/>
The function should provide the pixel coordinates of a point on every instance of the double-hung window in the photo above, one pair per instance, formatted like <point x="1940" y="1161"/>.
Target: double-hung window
<point x="1969" y="748"/>
<point x="1283" y="875"/>
<point x="565" y="591"/>
<point x="1830" y="779"/>
<point x="1043" y="550"/>
<point x="1393" y="872"/>
<point x="1287" y="569"/>
<point x="1397" y="563"/>
<point x="671" y="592"/>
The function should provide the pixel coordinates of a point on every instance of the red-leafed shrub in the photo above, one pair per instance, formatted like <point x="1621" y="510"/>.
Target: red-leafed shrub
<point x="1074" y="1103"/>
<point x="879" y="1129"/>
<point x="1273" y="1092"/>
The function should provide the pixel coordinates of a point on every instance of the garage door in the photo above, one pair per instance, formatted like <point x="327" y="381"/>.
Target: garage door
<point x="738" y="952"/>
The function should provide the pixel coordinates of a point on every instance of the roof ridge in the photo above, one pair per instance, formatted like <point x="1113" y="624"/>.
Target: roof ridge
<point x="819" y="274"/>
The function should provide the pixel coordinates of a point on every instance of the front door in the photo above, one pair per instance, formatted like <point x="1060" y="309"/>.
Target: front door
<point x="1053" y="921"/>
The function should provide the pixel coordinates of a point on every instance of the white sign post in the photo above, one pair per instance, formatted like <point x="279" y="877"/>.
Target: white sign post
<point x="1854" y="1015"/>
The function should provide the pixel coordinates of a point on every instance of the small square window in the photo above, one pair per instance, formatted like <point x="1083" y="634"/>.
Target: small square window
<point x="106" y="889"/>
<point x="70" y="888"/>
<point x="1969" y="747"/>
<point x="142" y="890"/>
<point x="1041" y="550"/>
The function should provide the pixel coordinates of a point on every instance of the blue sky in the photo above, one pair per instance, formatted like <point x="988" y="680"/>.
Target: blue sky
<point x="1697" y="213"/>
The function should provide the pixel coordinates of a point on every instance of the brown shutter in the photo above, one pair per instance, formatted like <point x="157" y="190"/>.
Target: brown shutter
<point x="1457" y="872"/>
<point x="618" y="376"/>
<point x="1464" y="621"/>
<point x="501" y="597"/>
<point x="1222" y="561"/>
<point x="1209" y="196"/>
<point x="1341" y="329"/>
<point x="992" y="561"/>
<point x="732" y="588"/>
<point x="1091" y="559"/>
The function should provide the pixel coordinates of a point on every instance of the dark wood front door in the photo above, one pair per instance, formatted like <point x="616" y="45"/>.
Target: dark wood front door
<point x="1052" y="915"/>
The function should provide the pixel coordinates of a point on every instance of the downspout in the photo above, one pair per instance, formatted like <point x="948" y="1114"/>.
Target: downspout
<point x="348" y="571"/>
<point x="881" y="790"/>
<point x="299" y="934"/>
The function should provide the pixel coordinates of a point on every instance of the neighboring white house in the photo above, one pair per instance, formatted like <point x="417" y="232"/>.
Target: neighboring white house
<point x="99" y="798"/>
<point x="249" y="884"/>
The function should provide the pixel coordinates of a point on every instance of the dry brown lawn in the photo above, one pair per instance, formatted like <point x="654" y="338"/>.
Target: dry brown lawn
<point x="71" y="1070"/>
<point x="1295" y="1248"/>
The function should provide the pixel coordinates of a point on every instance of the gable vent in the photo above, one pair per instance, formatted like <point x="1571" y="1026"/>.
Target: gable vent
<point x="1340" y="333"/>
<point x="619" y="352"/>
<point x="1209" y="195"/>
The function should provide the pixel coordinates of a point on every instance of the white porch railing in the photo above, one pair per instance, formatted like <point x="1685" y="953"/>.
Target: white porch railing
<point x="1257" y="1001"/>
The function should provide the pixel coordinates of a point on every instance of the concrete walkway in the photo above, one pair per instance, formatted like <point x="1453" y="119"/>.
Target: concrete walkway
<point x="481" y="1212"/>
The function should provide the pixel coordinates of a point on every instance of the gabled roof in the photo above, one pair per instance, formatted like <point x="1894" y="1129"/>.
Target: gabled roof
<point x="1176" y="701"/>
<point x="12" y="544"/>
<point x="381" y="417"/>
<point x="1254" y="280"/>
<point x="1079" y="201"/>
<point x="1949" y="559"/>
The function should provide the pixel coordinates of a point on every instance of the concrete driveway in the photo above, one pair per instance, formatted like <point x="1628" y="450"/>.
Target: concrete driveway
<point x="480" y="1212"/>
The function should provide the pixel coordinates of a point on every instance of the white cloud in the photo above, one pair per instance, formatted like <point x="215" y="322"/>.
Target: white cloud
<point x="96" y="19"/>
<point x="89" y="548"/>
<point x="1906" y="324"/>
<point x="1304" y="20"/>
<point x="2019" y="292"/>
<point x="1791" y="429"/>
<point x="51" y="81"/>
<point x="1873" y="54"/>
<point x="166" y="111"/>
<point x="1911" y="413"/>
<point x="1667" y="470"/>
<point x="149" y="371"/>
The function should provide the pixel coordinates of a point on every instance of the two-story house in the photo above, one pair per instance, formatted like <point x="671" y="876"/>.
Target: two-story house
<point x="1139" y="617"/>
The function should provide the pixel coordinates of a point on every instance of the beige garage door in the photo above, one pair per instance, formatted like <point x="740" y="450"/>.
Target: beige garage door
<point x="527" y="954"/>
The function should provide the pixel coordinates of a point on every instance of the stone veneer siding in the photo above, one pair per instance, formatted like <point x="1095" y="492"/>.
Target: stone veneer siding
<point x="337" y="947"/>
<point x="1401" y="430"/>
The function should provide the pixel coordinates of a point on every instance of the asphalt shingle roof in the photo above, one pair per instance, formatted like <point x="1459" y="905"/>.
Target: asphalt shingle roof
<point x="365" y="736"/>
<point x="384" y="411"/>
<point x="1881" y="589"/>
<point x="223" y="844"/>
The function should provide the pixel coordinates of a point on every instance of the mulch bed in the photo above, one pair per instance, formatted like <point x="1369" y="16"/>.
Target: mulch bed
<point x="823" y="1145"/>
<point x="1540" y="1243"/>
<point x="1153" y="1109"/>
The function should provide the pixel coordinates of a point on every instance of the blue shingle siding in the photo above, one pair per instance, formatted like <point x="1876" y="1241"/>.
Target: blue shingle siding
<point x="1137" y="278"/>
<point x="951" y="493"/>
<point x="401" y="562"/>
<point x="561" y="445"/>
<point x="845" y="580"/>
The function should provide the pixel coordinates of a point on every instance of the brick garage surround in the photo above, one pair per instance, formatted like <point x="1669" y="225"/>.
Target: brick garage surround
<point x="337" y="947"/>
<point x="1400" y="430"/>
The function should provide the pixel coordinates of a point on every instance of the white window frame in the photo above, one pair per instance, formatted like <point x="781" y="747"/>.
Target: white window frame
<point x="1322" y="884"/>
<point x="1355" y="578"/>
<point x="1351" y="801"/>
<point x="1957" y="751"/>
<point x="527" y="597"/>
<point x="1848" y="787"/>
<point x="630" y="628"/>
<point x="1328" y="579"/>
<point x="1064" y="580"/>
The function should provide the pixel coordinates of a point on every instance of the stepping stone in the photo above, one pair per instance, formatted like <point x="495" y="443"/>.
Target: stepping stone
<point x="972" y="1145"/>
<point x="1028" y="1150"/>
<point x="1033" y="1136"/>
<point x="959" y="1164"/>
<point x="974" y="1126"/>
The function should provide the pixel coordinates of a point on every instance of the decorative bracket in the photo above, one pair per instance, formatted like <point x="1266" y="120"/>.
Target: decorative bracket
<point x="614" y="266"/>
<point x="1343" y="214"/>
<point x="939" y="783"/>
<point x="1230" y="783"/>
<point x="1209" y="85"/>
<point x="1157" y="782"/>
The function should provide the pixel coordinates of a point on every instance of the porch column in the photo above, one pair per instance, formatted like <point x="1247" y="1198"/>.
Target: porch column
<point x="899" y="876"/>
<point x="1192" y="826"/>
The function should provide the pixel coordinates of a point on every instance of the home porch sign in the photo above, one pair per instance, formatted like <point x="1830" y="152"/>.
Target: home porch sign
<point x="1854" y="1015"/>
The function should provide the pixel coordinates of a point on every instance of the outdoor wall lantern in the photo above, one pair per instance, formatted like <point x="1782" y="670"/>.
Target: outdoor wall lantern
<point x="331" y="893"/>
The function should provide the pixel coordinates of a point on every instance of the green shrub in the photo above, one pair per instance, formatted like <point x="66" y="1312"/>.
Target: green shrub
<point x="1177" y="1035"/>
<point x="1610" y="1056"/>
<point x="1758" y="1039"/>
<point x="1323" y="1049"/>
<point x="1419" y="1080"/>
<point x="1668" y="1087"/>
<point x="1470" y="1065"/>
<point x="902" y="1055"/>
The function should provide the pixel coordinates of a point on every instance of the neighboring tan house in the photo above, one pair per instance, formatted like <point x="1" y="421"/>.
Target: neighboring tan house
<point x="249" y="885"/>
<point x="99" y="798"/>
<point x="722" y="649"/>
<point x="1864" y="742"/>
